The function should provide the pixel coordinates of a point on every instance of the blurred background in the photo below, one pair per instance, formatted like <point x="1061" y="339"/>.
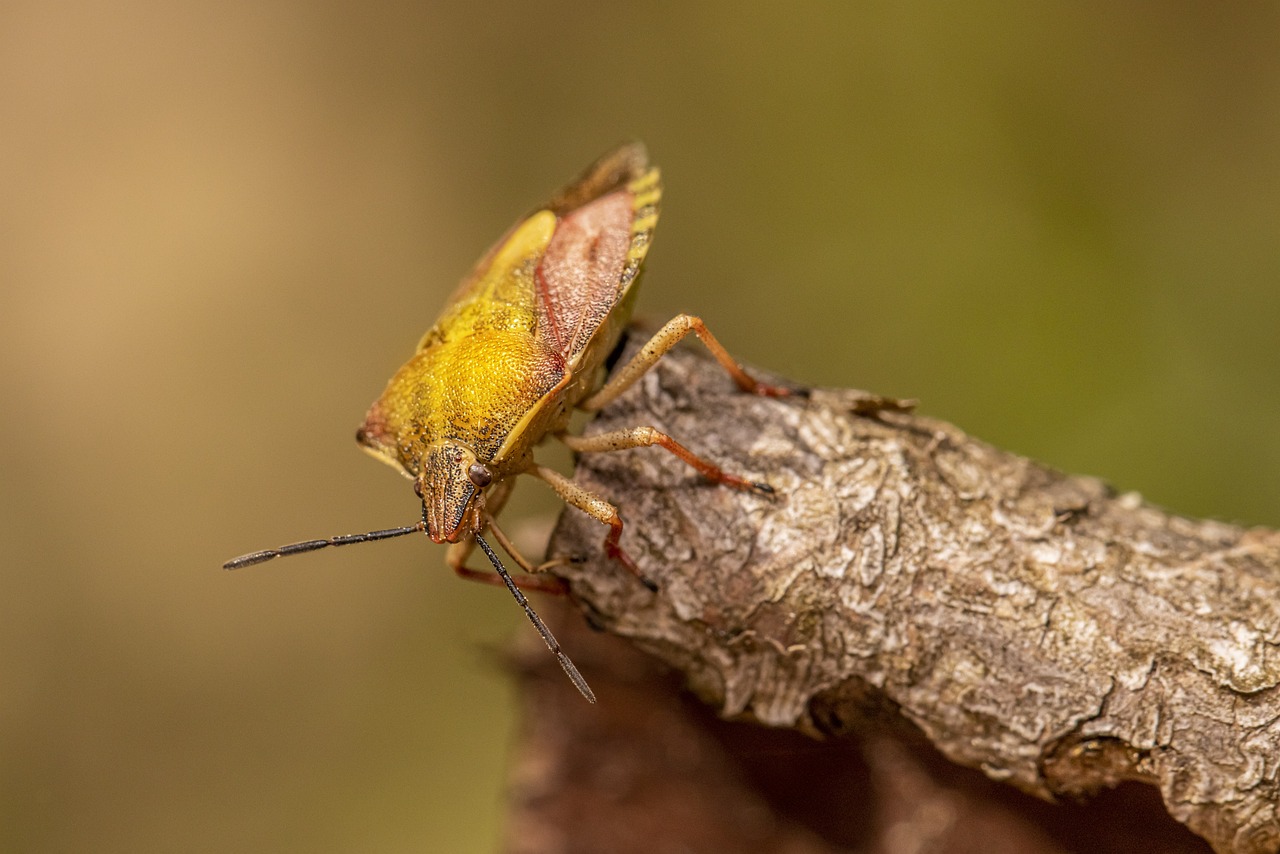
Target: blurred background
<point x="224" y="225"/>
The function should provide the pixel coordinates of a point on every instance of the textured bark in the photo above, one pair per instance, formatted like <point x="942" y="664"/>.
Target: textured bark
<point x="650" y="769"/>
<point x="1035" y="626"/>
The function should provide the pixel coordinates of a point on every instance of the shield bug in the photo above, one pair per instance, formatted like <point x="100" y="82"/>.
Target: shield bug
<point x="520" y="344"/>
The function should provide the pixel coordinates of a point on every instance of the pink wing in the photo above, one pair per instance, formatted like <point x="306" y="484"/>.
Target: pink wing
<point x="580" y="274"/>
<point x="606" y="221"/>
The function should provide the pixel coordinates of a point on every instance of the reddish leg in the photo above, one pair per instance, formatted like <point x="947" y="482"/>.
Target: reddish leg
<point x="457" y="556"/>
<point x="598" y="509"/>
<point x="641" y="437"/>
<point x="666" y="338"/>
<point x="532" y="583"/>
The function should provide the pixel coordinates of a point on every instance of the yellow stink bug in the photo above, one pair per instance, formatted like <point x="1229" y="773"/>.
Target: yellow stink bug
<point x="520" y="344"/>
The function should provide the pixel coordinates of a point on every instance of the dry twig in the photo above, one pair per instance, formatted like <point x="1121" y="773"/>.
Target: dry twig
<point x="1035" y="626"/>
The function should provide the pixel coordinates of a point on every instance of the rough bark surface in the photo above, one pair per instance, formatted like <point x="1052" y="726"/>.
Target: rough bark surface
<point x="1038" y="627"/>
<point x="650" y="769"/>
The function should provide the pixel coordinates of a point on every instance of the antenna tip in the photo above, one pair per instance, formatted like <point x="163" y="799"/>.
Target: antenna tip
<point x="249" y="559"/>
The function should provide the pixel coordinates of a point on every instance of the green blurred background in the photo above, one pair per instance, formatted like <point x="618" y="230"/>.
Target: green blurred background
<point x="224" y="225"/>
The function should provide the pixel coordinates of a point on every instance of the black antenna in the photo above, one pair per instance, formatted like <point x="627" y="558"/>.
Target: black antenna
<point x="552" y="644"/>
<point x="312" y="545"/>
<point x="348" y="539"/>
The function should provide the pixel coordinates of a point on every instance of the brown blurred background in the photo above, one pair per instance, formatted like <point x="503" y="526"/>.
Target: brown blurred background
<point x="224" y="225"/>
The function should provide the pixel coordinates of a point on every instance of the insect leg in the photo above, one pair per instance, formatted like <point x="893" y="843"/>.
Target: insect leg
<point x="668" y="336"/>
<point x="457" y="554"/>
<point x="643" y="437"/>
<point x="456" y="558"/>
<point x="597" y="508"/>
<point x="510" y="548"/>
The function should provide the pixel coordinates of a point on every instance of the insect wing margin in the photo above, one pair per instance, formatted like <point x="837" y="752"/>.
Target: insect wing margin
<point x="607" y="221"/>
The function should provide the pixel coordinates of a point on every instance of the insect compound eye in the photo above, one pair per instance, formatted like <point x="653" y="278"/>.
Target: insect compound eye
<point x="479" y="474"/>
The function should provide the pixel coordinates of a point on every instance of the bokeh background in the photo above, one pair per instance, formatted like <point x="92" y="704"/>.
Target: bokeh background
<point x="224" y="225"/>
